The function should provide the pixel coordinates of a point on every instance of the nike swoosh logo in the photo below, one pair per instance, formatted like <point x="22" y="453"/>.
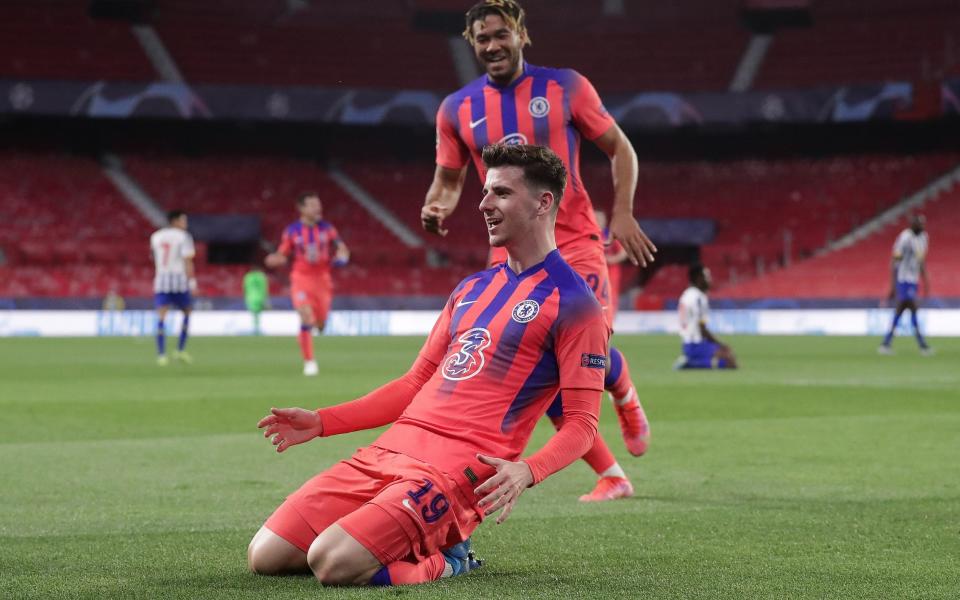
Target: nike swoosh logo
<point x="464" y="303"/>
<point x="473" y="124"/>
<point x="410" y="506"/>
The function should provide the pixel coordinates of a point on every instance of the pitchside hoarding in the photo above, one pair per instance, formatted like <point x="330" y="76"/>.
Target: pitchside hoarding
<point x="53" y="323"/>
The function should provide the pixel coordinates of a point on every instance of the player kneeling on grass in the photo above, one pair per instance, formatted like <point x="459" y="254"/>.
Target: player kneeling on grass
<point x="509" y="340"/>
<point x="701" y="350"/>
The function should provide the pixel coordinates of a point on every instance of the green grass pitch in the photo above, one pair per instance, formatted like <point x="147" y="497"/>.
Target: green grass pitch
<point x="819" y="470"/>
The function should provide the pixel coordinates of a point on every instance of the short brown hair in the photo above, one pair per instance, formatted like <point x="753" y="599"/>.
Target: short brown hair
<point x="542" y="168"/>
<point x="509" y="10"/>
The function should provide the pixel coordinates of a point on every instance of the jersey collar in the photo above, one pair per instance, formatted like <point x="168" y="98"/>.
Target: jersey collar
<point x="515" y="83"/>
<point x="547" y="261"/>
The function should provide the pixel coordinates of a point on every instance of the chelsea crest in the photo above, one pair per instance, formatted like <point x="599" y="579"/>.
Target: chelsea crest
<point x="525" y="311"/>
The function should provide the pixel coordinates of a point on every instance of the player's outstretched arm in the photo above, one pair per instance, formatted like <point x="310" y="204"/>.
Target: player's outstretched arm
<point x="291" y="426"/>
<point x="342" y="255"/>
<point x="274" y="260"/>
<point x="623" y="226"/>
<point x="381" y="406"/>
<point x="442" y="198"/>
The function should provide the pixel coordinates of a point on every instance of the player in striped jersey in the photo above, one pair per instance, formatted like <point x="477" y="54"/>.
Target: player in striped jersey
<point x="518" y="103"/>
<point x="701" y="349"/>
<point x="908" y="268"/>
<point x="510" y="340"/>
<point x="173" y="280"/>
<point x="314" y="245"/>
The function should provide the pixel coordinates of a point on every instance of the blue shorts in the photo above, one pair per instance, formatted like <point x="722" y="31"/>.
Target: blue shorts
<point x="180" y="300"/>
<point x="906" y="291"/>
<point x="700" y="355"/>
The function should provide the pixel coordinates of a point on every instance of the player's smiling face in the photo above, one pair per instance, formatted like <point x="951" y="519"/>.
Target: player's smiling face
<point x="509" y="207"/>
<point x="498" y="48"/>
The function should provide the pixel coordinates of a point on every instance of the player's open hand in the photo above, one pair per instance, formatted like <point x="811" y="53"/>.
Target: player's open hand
<point x="503" y="489"/>
<point x="432" y="216"/>
<point x="291" y="426"/>
<point x="274" y="260"/>
<point x="625" y="229"/>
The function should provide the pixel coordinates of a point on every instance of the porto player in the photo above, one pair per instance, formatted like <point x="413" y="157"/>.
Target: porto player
<point x="515" y="102"/>
<point x="701" y="349"/>
<point x="173" y="280"/>
<point x="314" y="245"/>
<point x="509" y="341"/>
<point x="908" y="268"/>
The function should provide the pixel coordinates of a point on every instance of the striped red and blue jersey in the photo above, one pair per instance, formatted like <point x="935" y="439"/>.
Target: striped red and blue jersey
<point x="544" y="106"/>
<point x="312" y="247"/>
<point x="503" y="347"/>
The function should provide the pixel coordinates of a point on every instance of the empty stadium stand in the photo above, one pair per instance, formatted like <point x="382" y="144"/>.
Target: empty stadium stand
<point x="689" y="46"/>
<point x="863" y="270"/>
<point x="401" y="187"/>
<point x="99" y="241"/>
<point x="762" y="208"/>
<point x="852" y="42"/>
<point x="263" y="44"/>
<point x="67" y="231"/>
<point x="268" y="187"/>
<point x="55" y="39"/>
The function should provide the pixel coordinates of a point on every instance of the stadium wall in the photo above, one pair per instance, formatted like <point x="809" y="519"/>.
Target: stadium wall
<point x="53" y="323"/>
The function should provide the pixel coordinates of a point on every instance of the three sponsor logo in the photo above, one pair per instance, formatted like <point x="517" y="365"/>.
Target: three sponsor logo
<point x="513" y="139"/>
<point x="468" y="360"/>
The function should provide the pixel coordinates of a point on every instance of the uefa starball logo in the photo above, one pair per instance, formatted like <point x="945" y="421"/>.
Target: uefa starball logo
<point x="525" y="311"/>
<point x="467" y="360"/>
<point x="539" y="107"/>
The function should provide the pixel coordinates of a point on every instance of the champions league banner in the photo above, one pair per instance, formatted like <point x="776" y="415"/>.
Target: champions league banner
<point x="647" y="110"/>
